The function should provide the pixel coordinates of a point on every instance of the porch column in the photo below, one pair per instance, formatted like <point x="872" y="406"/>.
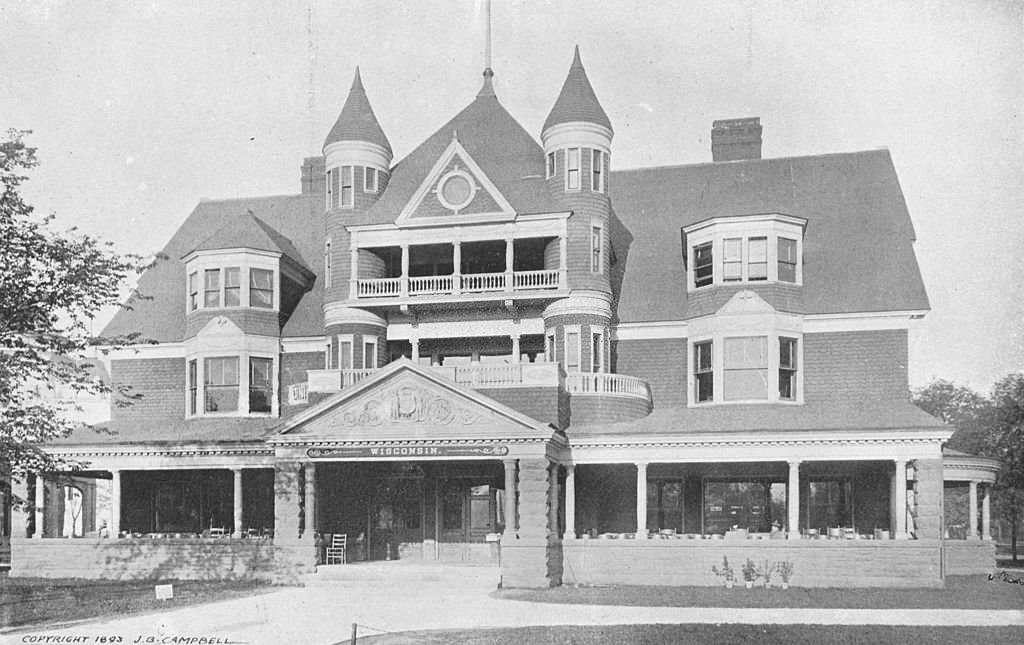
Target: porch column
<point x="972" y="518"/>
<point x="516" y="352"/>
<point x="415" y="342"/>
<point x="570" y="502"/>
<point x="404" y="282"/>
<point x="986" y="518"/>
<point x="509" y="246"/>
<point x="310" y="502"/>
<point x="563" y="263"/>
<point x="19" y="514"/>
<point x="237" y="503"/>
<point x="899" y="501"/>
<point x="115" y="503"/>
<point x="510" y="499"/>
<point x="456" y="266"/>
<point x="553" y="500"/>
<point x="353" y="284"/>
<point x="641" y="500"/>
<point x="39" y="503"/>
<point x="793" y="501"/>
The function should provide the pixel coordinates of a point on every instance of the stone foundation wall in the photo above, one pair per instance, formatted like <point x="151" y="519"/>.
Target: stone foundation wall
<point x="965" y="557"/>
<point x="142" y="559"/>
<point x="913" y="563"/>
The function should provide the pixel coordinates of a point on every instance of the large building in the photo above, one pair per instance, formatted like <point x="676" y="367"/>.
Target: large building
<point x="501" y="349"/>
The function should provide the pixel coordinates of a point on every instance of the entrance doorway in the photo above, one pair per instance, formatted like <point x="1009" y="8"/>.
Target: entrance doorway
<point x="448" y="511"/>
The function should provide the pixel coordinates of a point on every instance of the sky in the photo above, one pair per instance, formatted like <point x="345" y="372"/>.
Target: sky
<point x="141" y="109"/>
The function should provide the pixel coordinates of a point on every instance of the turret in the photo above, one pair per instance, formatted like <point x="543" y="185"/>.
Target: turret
<point x="577" y="137"/>
<point x="357" y="162"/>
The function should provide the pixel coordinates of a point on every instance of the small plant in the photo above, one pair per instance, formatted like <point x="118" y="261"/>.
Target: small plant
<point x="766" y="571"/>
<point x="785" y="572"/>
<point x="726" y="572"/>
<point x="749" y="570"/>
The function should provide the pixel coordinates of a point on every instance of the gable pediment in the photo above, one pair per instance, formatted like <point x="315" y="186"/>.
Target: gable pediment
<point x="405" y="403"/>
<point x="456" y="190"/>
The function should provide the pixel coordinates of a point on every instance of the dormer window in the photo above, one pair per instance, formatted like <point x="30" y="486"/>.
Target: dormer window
<point x="747" y="249"/>
<point x="222" y="286"/>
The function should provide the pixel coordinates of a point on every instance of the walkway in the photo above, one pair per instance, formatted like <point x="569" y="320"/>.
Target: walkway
<point x="397" y="596"/>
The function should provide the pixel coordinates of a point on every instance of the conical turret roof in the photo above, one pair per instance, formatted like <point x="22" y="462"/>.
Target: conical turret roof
<point x="577" y="101"/>
<point x="357" y="121"/>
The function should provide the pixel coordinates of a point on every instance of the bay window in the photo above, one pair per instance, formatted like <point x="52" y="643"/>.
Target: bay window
<point x="261" y="288"/>
<point x="211" y="288"/>
<point x="744" y="369"/>
<point x="757" y="262"/>
<point x="231" y="385"/>
<point x="232" y="287"/>
<point x="703" y="265"/>
<point x="745" y="372"/>
<point x="750" y="248"/>
<point x="193" y="291"/>
<point x="261" y="384"/>
<point x="787" y="368"/>
<point x="223" y="287"/>
<point x="220" y="385"/>
<point x="703" y="370"/>
<point x="787" y="260"/>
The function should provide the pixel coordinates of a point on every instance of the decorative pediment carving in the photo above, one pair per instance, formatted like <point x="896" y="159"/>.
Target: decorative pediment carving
<point x="406" y="404"/>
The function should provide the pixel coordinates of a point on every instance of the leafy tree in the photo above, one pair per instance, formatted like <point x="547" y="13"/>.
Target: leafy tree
<point x="51" y="286"/>
<point x="1008" y="400"/>
<point x="969" y="412"/>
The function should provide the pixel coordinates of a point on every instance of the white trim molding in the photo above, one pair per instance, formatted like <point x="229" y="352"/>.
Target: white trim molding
<point x="336" y="313"/>
<point x="578" y="302"/>
<point x="358" y="153"/>
<point x="577" y="134"/>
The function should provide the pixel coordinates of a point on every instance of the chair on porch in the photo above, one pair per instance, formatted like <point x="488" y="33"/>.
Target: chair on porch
<point x="336" y="551"/>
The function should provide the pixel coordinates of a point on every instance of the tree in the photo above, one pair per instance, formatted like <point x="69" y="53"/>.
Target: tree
<point x="52" y="284"/>
<point x="1008" y="401"/>
<point x="969" y="412"/>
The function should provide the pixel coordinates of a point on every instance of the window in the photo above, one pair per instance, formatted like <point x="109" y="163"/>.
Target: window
<point x="596" y="249"/>
<point x="369" y="180"/>
<point x="345" y="353"/>
<point x="193" y="386"/>
<point x="551" y="165"/>
<point x="787" y="369"/>
<point x="787" y="260"/>
<point x="753" y="504"/>
<point x="261" y="288"/>
<point x="369" y="354"/>
<point x="327" y="263"/>
<point x="221" y="384"/>
<point x="346" y="192"/>
<point x="829" y="503"/>
<point x="572" y="169"/>
<point x="551" y="349"/>
<point x="703" y="265"/>
<point x="746" y="368"/>
<point x="572" y="351"/>
<point x="211" y="290"/>
<point x="332" y="188"/>
<point x="232" y="287"/>
<point x="757" y="262"/>
<point x="665" y="504"/>
<point x="596" y="352"/>
<point x="261" y="384"/>
<point x="732" y="259"/>
<point x="703" y="371"/>
<point x="193" y="291"/>
<point x="597" y="171"/>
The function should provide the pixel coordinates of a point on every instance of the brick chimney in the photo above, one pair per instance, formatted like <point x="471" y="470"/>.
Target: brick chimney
<point x="735" y="139"/>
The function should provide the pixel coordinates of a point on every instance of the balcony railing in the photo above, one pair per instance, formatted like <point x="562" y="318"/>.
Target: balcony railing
<point x="454" y="284"/>
<point x="607" y="384"/>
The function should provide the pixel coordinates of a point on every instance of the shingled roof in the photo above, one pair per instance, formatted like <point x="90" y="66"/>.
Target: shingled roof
<point x="297" y="218"/>
<point x="357" y="121"/>
<point x="577" y="100"/>
<point x="245" y="230"/>
<point x="509" y="156"/>
<point x="858" y="245"/>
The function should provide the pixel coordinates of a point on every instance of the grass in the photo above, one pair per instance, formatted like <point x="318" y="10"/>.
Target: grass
<point x="704" y="633"/>
<point x="961" y="592"/>
<point x="35" y="601"/>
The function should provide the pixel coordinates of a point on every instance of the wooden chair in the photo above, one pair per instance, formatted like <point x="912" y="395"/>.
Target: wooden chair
<point x="218" y="532"/>
<point x="336" y="551"/>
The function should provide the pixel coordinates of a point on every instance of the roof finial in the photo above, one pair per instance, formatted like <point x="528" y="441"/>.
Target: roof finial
<point x="576" y="62"/>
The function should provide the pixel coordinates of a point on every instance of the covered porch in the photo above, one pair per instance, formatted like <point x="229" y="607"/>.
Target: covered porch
<point x="841" y="511"/>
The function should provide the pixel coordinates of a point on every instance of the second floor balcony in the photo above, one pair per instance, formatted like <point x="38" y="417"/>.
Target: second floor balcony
<point x="475" y="270"/>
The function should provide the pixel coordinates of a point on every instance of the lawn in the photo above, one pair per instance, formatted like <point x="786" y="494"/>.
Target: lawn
<point x="30" y="601"/>
<point x="702" y="633"/>
<point x="961" y="592"/>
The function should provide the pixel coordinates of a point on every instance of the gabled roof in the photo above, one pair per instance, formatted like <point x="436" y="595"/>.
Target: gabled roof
<point x="577" y="100"/>
<point x="357" y="122"/>
<point x="505" y="151"/>
<point x="246" y="231"/>
<point x="858" y="244"/>
<point x="298" y="218"/>
<point x="405" y="402"/>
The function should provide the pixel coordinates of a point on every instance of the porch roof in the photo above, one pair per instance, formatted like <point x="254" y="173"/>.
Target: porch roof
<point x="172" y="431"/>
<point x="768" y="417"/>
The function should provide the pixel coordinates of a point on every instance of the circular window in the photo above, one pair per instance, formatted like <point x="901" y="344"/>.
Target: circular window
<point x="455" y="190"/>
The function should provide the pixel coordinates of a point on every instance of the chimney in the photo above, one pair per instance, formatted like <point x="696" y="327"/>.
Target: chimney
<point x="736" y="139"/>
<point x="312" y="175"/>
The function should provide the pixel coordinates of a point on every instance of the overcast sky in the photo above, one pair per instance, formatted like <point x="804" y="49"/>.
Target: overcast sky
<point x="140" y="109"/>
